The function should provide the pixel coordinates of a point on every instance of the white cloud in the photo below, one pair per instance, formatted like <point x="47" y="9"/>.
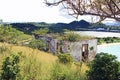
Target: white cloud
<point x="29" y="11"/>
<point x="33" y="11"/>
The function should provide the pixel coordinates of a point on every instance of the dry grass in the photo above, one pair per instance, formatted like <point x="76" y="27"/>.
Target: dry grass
<point x="40" y="63"/>
<point x="42" y="56"/>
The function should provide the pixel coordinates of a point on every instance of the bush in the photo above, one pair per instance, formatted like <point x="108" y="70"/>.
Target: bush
<point x="65" y="58"/>
<point x="108" y="40"/>
<point x="104" y="67"/>
<point x="10" y="67"/>
<point x="72" y="37"/>
<point x="37" y="44"/>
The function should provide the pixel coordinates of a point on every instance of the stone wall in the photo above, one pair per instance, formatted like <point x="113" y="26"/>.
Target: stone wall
<point x="76" y="49"/>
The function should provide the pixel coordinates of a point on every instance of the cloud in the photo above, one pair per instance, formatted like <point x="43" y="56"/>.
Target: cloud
<point x="29" y="11"/>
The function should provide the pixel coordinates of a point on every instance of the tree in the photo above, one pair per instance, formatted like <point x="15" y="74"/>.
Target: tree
<point x="100" y="8"/>
<point x="41" y="31"/>
<point x="104" y="67"/>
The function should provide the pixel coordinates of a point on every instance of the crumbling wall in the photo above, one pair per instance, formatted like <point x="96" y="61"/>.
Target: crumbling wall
<point x="76" y="49"/>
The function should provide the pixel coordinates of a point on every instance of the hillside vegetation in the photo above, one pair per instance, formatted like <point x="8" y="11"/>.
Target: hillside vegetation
<point x="11" y="35"/>
<point x="39" y="65"/>
<point x="33" y="63"/>
<point x="21" y="58"/>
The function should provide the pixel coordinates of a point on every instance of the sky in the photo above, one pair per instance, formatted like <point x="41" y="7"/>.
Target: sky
<point x="33" y="11"/>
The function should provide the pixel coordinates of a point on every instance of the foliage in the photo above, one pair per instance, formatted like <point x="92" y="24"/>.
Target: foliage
<point x="91" y="48"/>
<point x="10" y="67"/>
<point x="41" y="31"/>
<point x="7" y="33"/>
<point x="72" y="37"/>
<point x="98" y="25"/>
<point x="56" y="29"/>
<point x="39" y="65"/>
<point x="108" y="40"/>
<point x="11" y="35"/>
<point x="114" y="27"/>
<point x="65" y="58"/>
<point x="37" y="44"/>
<point x="35" y="64"/>
<point x="29" y="28"/>
<point x="104" y="67"/>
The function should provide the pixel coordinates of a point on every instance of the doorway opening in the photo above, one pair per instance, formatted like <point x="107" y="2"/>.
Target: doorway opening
<point x="84" y="51"/>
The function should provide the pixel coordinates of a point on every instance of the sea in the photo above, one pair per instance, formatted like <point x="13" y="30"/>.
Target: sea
<point x="113" y="49"/>
<point x="99" y="34"/>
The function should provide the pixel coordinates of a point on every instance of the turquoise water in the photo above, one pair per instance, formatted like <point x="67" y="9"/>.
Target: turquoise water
<point x="111" y="49"/>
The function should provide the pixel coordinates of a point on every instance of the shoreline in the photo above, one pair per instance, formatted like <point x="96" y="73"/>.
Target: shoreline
<point x="108" y="44"/>
<point x="98" y="34"/>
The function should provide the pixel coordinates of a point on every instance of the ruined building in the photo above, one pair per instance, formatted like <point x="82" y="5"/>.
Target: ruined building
<point x="82" y="50"/>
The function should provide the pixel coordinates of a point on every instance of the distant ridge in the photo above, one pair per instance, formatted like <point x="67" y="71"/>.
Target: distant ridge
<point x="80" y="24"/>
<point x="55" y="27"/>
<point x="112" y="23"/>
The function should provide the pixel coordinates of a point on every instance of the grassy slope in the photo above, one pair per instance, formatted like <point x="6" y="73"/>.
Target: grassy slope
<point x="35" y="64"/>
<point x="43" y="56"/>
<point x="31" y="58"/>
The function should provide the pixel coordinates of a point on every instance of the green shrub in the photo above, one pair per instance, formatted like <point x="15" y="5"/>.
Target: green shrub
<point x="37" y="44"/>
<point x="104" y="67"/>
<point x="10" y="67"/>
<point x="7" y="33"/>
<point x="72" y="37"/>
<point x="108" y="40"/>
<point x="65" y="58"/>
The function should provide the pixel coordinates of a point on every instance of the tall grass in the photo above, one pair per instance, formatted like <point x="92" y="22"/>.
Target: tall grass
<point x="30" y="68"/>
<point x="34" y="65"/>
<point x="38" y="65"/>
<point x="68" y="72"/>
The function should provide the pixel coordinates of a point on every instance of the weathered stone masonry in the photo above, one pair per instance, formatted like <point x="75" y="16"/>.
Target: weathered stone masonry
<point x="82" y="50"/>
